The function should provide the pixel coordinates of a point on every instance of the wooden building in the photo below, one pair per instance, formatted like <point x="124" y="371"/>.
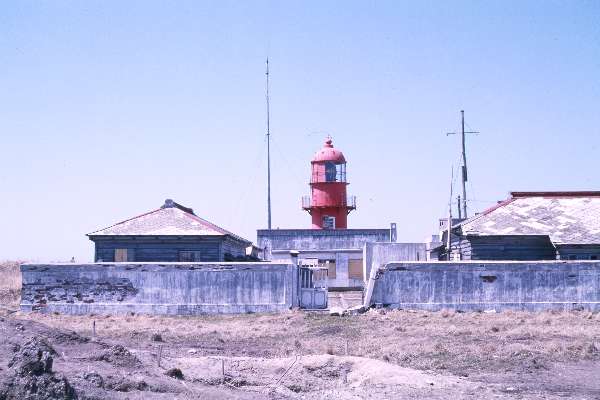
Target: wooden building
<point x="531" y="226"/>
<point x="172" y="233"/>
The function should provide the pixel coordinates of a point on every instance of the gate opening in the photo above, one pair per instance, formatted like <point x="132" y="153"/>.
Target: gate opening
<point x="312" y="280"/>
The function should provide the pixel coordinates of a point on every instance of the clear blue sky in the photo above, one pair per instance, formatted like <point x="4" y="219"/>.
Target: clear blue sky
<point x="109" y="107"/>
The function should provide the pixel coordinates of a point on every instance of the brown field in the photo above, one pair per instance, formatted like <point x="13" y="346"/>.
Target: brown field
<point x="296" y="355"/>
<point x="10" y="283"/>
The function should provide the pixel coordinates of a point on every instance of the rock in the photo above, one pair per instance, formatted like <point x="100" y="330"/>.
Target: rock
<point x="32" y="376"/>
<point x="42" y="387"/>
<point x="94" y="378"/>
<point x="192" y="351"/>
<point x="121" y="384"/>
<point x="118" y="356"/>
<point x="174" y="373"/>
<point x="336" y="311"/>
<point x="33" y="358"/>
<point x="356" y="310"/>
<point x="67" y="337"/>
<point x="156" y="337"/>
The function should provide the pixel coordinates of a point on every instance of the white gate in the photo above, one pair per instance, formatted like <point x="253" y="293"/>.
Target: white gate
<point x="313" y="287"/>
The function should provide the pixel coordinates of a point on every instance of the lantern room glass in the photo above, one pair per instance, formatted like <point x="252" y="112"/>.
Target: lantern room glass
<point x="329" y="172"/>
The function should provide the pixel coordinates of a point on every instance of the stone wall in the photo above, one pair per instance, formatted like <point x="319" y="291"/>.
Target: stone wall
<point x="489" y="285"/>
<point x="159" y="288"/>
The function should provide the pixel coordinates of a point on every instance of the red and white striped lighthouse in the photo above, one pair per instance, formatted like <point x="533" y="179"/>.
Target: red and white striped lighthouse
<point x="328" y="203"/>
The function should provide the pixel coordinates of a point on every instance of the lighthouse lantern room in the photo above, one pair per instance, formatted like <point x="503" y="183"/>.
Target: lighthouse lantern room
<point x="328" y="203"/>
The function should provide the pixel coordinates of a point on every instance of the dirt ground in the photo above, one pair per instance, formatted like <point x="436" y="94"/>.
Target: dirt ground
<point x="382" y="354"/>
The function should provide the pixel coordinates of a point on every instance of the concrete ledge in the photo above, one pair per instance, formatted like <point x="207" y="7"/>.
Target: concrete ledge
<point x="158" y="288"/>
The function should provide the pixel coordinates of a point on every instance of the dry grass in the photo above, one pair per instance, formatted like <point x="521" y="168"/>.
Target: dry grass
<point x="460" y="343"/>
<point x="10" y="283"/>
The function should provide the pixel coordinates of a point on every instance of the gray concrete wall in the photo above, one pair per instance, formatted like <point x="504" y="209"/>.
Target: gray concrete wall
<point x="340" y="245"/>
<point x="159" y="288"/>
<point x="341" y="257"/>
<point x="318" y="239"/>
<point x="379" y="254"/>
<point x="472" y="286"/>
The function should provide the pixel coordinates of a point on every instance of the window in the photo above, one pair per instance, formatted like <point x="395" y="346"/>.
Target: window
<point x="121" y="255"/>
<point x="593" y="257"/>
<point x="330" y="265"/>
<point x="189" y="256"/>
<point x="328" y="222"/>
<point x="355" y="269"/>
<point x="330" y="172"/>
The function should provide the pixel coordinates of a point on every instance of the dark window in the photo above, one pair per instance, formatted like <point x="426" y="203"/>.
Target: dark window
<point x="189" y="256"/>
<point x="328" y="222"/>
<point x="330" y="172"/>
<point x="593" y="257"/>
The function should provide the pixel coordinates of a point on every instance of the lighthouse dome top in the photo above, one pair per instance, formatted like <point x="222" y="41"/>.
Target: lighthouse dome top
<point x="328" y="153"/>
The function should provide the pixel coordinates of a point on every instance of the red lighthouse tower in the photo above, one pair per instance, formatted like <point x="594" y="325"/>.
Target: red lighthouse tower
<point x="328" y="203"/>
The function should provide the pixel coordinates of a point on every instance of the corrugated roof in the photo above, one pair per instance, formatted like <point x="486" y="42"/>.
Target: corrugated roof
<point x="566" y="217"/>
<point x="170" y="219"/>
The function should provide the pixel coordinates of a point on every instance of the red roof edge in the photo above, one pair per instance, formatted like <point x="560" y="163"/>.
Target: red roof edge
<point x="582" y="193"/>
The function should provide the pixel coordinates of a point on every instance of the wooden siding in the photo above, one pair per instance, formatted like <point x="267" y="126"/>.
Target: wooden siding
<point x="157" y="249"/>
<point x="579" y="252"/>
<point x="507" y="247"/>
<point x="233" y="248"/>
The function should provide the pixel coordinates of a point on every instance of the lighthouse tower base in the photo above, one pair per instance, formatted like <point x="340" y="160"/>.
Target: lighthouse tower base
<point x="329" y="218"/>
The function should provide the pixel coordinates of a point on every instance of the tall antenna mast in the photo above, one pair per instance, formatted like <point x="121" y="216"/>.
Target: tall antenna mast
<point x="464" y="166"/>
<point x="448" y="243"/>
<point x="464" y="163"/>
<point x="268" y="152"/>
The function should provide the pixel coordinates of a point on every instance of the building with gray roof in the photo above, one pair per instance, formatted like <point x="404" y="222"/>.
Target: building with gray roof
<point x="532" y="226"/>
<point x="171" y="233"/>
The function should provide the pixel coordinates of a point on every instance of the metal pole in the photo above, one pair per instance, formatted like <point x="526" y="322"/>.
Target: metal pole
<point x="458" y="205"/>
<point x="464" y="168"/>
<point x="448" y="250"/>
<point x="269" y="152"/>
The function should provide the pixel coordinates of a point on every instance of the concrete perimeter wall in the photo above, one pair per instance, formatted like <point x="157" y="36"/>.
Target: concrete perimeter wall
<point x="474" y="286"/>
<point x="159" y="288"/>
<point x="379" y="254"/>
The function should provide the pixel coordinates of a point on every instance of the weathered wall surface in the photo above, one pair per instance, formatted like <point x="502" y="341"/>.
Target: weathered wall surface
<point x="532" y="286"/>
<point x="155" y="288"/>
<point x="340" y="245"/>
<point x="164" y="248"/>
<point x="318" y="239"/>
<point x="379" y="254"/>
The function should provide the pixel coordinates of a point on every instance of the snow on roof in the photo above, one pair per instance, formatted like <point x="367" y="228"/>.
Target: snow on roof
<point x="170" y="219"/>
<point x="566" y="217"/>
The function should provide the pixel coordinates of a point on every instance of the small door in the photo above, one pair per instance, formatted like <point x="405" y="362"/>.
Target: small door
<point x="312" y="284"/>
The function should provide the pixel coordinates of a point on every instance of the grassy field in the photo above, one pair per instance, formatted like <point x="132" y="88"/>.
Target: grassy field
<point x="10" y="283"/>
<point x="381" y="354"/>
<point x="548" y="355"/>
